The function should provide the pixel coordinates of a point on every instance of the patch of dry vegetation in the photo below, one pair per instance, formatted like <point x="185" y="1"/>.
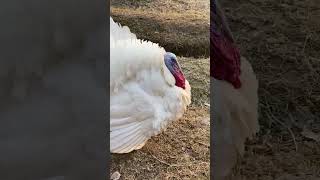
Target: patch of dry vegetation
<point x="180" y="152"/>
<point x="179" y="26"/>
<point x="197" y="72"/>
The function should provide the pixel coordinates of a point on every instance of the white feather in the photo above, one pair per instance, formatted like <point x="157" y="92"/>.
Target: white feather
<point x="143" y="95"/>
<point x="235" y="117"/>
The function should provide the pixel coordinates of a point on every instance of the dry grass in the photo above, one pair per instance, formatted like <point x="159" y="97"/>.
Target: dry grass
<point x="197" y="73"/>
<point x="180" y="152"/>
<point x="179" y="26"/>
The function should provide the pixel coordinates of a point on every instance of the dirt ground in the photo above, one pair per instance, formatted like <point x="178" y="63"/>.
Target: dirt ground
<point x="281" y="38"/>
<point x="183" y="150"/>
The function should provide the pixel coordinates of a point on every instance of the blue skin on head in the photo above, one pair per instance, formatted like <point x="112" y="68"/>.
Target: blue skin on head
<point x="171" y="62"/>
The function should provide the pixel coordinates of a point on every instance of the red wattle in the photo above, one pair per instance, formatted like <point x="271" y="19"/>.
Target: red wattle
<point x="225" y="60"/>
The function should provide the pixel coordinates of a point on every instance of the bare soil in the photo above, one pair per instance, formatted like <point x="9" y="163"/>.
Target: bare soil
<point x="281" y="40"/>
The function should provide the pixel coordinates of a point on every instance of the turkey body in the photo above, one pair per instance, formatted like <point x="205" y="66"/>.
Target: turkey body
<point x="235" y="119"/>
<point x="143" y="94"/>
<point x="235" y="96"/>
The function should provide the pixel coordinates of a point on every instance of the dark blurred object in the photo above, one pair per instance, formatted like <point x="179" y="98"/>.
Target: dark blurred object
<point x="52" y="109"/>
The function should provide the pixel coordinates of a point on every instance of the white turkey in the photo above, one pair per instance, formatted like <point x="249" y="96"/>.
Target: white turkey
<point x="235" y="100"/>
<point x="147" y="90"/>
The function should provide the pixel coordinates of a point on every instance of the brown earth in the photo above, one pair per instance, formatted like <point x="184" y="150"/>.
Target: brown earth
<point x="281" y="40"/>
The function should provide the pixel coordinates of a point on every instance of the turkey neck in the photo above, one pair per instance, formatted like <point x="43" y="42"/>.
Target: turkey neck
<point x="224" y="53"/>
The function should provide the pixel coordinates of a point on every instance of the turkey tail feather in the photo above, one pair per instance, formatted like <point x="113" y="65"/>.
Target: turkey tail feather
<point x="126" y="139"/>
